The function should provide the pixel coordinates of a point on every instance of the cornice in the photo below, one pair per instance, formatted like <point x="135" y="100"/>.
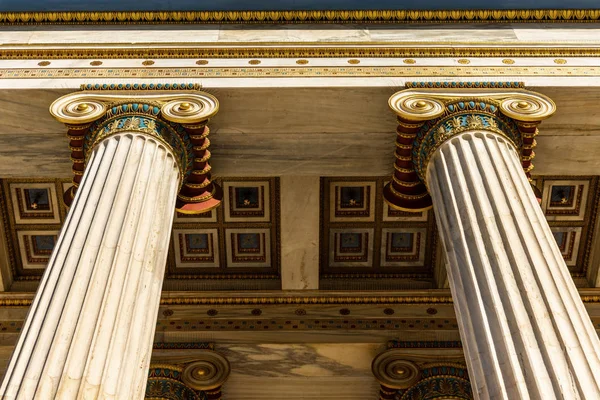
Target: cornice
<point x="329" y="50"/>
<point x="299" y="17"/>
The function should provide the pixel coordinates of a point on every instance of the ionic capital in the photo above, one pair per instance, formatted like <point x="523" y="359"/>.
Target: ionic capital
<point x="199" y="375"/>
<point x="426" y="104"/>
<point x="429" y="116"/>
<point x="175" y="117"/>
<point x="419" y="373"/>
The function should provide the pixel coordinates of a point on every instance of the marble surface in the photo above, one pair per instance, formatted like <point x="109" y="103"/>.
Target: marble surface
<point x="301" y="371"/>
<point x="503" y="34"/>
<point x="525" y="331"/>
<point x="301" y="360"/>
<point x="299" y="232"/>
<point x="275" y="131"/>
<point x="303" y="388"/>
<point x="330" y="365"/>
<point x="92" y="321"/>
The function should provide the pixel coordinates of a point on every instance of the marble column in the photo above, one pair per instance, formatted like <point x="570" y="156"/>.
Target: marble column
<point x="524" y="328"/>
<point x="90" y="329"/>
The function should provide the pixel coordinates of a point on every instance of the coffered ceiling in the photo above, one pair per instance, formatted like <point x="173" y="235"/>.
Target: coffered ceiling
<point x="235" y="242"/>
<point x="364" y="244"/>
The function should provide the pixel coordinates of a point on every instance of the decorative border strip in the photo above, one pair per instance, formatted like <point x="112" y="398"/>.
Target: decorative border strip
<point x="297" y="17"/>
<point x="398" y="344"/>
<point x="141" y="86"/>
<point x="465" y="85"/>
<point x="312" y="300"/>
<point x="308" y="300"/>
<point x="183" y="346"/>
<point x="285" y="72"/>
<point x="222" y="276"/>
<point x="342" y="51"/>
<point x="299" y="324"/>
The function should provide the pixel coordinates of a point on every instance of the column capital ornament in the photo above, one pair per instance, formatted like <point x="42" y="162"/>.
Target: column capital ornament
<point x="175" y="119"/>
<point x="392" y="370"/>
<point x="408" y="374"/>
<point x="200" y="377"/>
<point x="429" y="116"/>
<point x="429" y="103"/>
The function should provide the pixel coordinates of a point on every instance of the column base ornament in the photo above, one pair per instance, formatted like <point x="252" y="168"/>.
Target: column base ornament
<point x="176" y="118"/>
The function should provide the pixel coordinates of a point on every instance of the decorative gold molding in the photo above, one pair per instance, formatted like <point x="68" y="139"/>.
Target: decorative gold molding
<point x="84" y="107"/>
<point x="426" y="104"/>
<point x="365" y="50"/>
<point x="141" y="86"/>
<point x="167" y="118"/>
<point x="208" y="371"/>
<point x="292" y="72"/>
<point x="298" y="17"/>
<point x="307" y="300"/>
<point x="447" y="109"/>
<point x="392" y="370"/>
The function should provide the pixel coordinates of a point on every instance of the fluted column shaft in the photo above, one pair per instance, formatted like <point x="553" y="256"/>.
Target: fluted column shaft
<point x="525" y="331"/>
<point x="90" y="329"/>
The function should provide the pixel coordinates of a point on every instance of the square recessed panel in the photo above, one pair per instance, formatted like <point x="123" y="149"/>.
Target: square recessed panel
<point x="352" y="201"/>
<point x="35" y="203"/>
<point x="198" y="248"/>
<point x="351" y="247"/>
<point x="403" y="247"/>
<point x="392" y="215"/>
<point x="247" y="201"/>
<point x="248" y="247"/>
<point x="565" y="200"/>
<point x="36" y="247"/>
<point x="568" y="240"/>
<point x="210" y="216"/>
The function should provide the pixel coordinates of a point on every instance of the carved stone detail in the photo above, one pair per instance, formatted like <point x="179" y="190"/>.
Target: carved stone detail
<point x="178" y="120"/>
<point x="429" y="116"/>
<point x="209" y="372"/>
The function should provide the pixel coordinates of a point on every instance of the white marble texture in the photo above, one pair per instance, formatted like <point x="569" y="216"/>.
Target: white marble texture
<point x="525" y="331"/>
<point x="300" y="232"/>
<point x="302" y="33"/>
<point x="90" y="329"/>
<point x="333" y="371"/>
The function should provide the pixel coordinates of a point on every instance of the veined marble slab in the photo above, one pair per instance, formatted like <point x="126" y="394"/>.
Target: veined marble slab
<point x="496" y="34"/>
<point x="313" y="131"/>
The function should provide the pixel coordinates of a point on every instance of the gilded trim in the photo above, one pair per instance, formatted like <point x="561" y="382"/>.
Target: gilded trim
<point x="297" y="17"/>
<point x="306" y="300"/>
<point x="140" y="86"/>
<point x="266" y="51"/>
<point x="291" y="72"/>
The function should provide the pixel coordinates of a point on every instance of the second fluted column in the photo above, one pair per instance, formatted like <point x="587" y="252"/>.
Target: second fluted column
<point x="525" y="331"/>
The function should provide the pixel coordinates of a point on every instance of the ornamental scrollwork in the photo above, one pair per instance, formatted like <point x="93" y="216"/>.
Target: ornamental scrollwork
<point x="176" y="120"/>
<point x="458" y="117"/>
<point x="164" y="383"/>
<point x="431" y="113"/>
